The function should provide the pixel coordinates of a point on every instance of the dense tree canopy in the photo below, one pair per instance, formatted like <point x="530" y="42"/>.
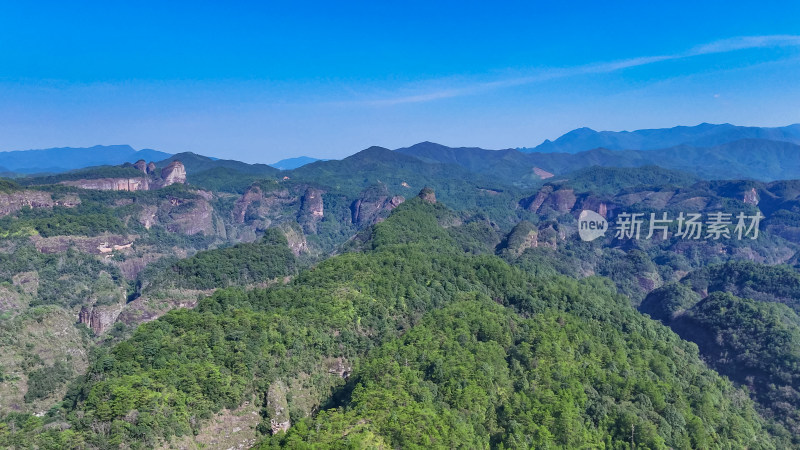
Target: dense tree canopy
<point x="446" y="349"/>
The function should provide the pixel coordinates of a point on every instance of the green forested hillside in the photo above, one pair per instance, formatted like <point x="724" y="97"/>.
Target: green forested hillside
<point x="750" y="279"/>
<point x="753" y="337"/>
<point x="610" y="180"/>
<point x="476" y="375"/>
<point x="241" y="264"/>
<point x="411" y="343"/>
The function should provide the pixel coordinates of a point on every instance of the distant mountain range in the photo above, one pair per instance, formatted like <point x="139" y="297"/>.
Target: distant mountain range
<point x="757" y="159"/>
<point x="294" y="163"/>
<point x="703" y="135"/>
<point x="63" y="159"/>
<point x="706" y="150"/>
<point x="67" y="158"/>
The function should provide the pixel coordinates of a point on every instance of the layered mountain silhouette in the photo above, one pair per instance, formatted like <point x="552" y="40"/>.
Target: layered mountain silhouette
<point x="68" y="158"/>
<point x="703" y="135"/>
<point x="708" y="151"/>
<point x="758" y="159"/>
<point x="293" y="163"/>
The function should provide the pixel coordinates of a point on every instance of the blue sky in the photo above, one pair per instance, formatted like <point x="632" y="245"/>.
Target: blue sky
<point x="264" y="81"/>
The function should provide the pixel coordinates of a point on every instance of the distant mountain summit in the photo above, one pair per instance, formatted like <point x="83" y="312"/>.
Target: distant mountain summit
<point x="55" y="160"/>
<point x="703" y="135"/>
<point x="294" y="163"/>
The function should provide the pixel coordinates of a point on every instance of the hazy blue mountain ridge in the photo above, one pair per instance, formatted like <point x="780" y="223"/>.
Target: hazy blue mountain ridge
<point x="68" y="158"/>
<point x="294" y="163"/>
<point x="703" y="135"/>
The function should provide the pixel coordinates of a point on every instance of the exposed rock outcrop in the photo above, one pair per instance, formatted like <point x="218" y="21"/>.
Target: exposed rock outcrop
<point x="253" y="194"/>
<point x="751" y="197"/>
<point x="186" y="214"/>
<point x="534" y="203"/>
<point x="193" y="217"/>
<point x="278" y="407"/>
<point x="597" y="205"/>
<point x="68" y="201"/>
<point x="141" y="165"/>
<point x="297" y="240"/>
<point x="100" y="318"/>
<point x="311" y="210"/>
<point x="428" y="195"/>
<point x="147" y="216"/>
<point x="147" y="308"/>
<point x="111" y="184"/>
<point x="86" y="244"/>
<point x="255" y="203"/>
<point x="173" y="173"/>
<point x="561" y="200"/>
<point x="373" y="205"/>
<point x="14" y="201"/>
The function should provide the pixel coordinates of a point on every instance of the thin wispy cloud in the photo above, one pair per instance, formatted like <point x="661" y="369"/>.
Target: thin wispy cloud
<point x="744" y="43"/>
<point x="717" y="47"/>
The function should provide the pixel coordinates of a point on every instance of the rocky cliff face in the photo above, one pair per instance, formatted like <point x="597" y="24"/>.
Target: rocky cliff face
<point x="564" y="200"/>
<point x="187" y="215"/>
<point x="311" y="210"/>
<point x="141" y="165"/>
<point x="428" y="195"/>
<point x="751" y="197"/>
<point x="373" y="205"/>
<point x="597" y="205"/>
<point x="297" y="240"/>
<point x="14" y="201"/>
<point x="111" y="184"/>
<point x="100" y="318"/>
<point x="94" y="245"/>
<point x="255" y="203"/>
<point x="560" y="200"/>
<point x="191" y="217"/>
<point x="174" y="173"/>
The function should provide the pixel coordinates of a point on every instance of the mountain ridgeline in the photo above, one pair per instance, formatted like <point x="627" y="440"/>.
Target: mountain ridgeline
<point x="703" y="135"/>
<point x="706" y="150"/>
<point x="64" y="159"/>
<point x="424" y="297"/>
<point x="757" y="159"/>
